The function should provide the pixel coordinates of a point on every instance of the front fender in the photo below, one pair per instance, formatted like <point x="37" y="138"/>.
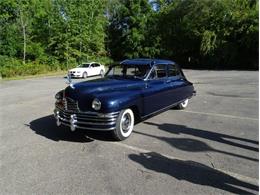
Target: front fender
<point x="118" y="101"/>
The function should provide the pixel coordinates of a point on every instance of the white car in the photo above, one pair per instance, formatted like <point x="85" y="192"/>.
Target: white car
<point x="87" y="69"/>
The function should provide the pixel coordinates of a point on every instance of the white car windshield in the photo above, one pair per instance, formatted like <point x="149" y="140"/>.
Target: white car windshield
<point x="128" y="71"/>
<point x="83" y="66"/>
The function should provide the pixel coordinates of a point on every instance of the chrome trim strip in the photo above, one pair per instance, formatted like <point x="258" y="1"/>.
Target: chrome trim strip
<point x="90" y="123"/>
<point x="87" y="123"/>
<point x="90" y="128"/>
<point x="87" y="117"/>
<point x="90" y="119"/>
<point x="97" y="119"/>
<point x="89" y="113"/>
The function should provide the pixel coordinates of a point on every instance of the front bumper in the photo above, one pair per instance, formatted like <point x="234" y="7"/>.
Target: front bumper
<point x="75" y="75"/>
<point x="86" y="120"/>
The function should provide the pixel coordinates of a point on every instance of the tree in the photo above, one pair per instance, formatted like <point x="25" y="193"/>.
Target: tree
<point x="128" y="31"/>
<point x="77" y="33"/>
<point x="213" y="34"/>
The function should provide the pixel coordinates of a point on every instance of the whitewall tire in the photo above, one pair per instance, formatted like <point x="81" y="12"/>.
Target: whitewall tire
<point x="124" y="124"/>
<point x="183" y="104"/>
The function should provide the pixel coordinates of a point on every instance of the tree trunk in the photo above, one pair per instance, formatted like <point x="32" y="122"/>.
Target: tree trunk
<point x="24" y="44"/>
<point x="24" y="35"/>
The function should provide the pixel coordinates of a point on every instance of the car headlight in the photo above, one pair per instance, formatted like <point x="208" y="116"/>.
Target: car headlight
<point x="96" y="104"/>
<point x="59" y="95"/>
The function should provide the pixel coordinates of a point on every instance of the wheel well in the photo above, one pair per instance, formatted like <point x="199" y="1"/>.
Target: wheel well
<point x="136" y="113"/>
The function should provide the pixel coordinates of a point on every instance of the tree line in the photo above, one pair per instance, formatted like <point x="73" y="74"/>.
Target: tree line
<point x="48" y="35"/>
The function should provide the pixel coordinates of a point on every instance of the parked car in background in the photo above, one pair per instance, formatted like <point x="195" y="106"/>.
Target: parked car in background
<point x="130" y="92"/>
<point x="87" y="69"/>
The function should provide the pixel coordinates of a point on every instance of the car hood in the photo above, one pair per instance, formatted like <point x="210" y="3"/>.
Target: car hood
<point x="104" y="85"/>
<point x="104" y="89"/>
<point x="76" y="69"/>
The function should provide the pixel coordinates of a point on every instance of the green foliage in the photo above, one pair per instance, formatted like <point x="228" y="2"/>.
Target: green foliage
<point x="49" y="35"/>
<point x="130" y="25"/>
<point x="37" y="36"/>
<point x="204" y="33"/>
<point x="77" y="29"/>
<point x="10" y="67"/>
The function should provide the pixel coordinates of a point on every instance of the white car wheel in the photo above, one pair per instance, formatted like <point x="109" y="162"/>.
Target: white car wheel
<point x="85" y="75"/>
<point x="183" y="105"/>
<point x="124" y="124"/>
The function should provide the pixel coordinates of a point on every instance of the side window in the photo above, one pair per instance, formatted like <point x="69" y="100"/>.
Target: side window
<point x="159" y="71"/>
<point x="97" y="65"/>
<point x="172" y="70"/>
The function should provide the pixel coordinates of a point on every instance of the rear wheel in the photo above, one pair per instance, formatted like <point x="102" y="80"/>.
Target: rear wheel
<point x="85" y="75"/>
<point x="124" y="125"/>
<point x="183" y="105"/>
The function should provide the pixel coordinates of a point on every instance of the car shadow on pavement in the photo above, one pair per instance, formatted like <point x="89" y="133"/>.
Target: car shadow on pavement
<point x="218" y="137"/>
<point x="193" y="172"/>
<point x="193" y="145"/>
<point x="46" y="126"/>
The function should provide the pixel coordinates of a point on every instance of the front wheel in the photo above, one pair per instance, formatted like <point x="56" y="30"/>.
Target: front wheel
<point x="124" y="125"/>
<point x="85" y="75"/>
<point x="183" y="105"/>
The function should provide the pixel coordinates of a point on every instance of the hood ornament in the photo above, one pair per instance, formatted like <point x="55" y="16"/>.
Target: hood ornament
<point x="69" y="81"/>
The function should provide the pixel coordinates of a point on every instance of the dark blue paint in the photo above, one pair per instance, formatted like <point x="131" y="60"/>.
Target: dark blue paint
<point x="148" y="96"/>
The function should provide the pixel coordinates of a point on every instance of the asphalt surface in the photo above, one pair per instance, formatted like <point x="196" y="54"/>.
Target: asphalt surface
<point x="209" y="148"/>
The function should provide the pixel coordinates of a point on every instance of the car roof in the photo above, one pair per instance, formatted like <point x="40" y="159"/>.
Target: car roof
<point x="146" y="61"/>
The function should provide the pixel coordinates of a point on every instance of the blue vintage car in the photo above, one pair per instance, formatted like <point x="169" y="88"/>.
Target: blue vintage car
<point x="130" y="92"/>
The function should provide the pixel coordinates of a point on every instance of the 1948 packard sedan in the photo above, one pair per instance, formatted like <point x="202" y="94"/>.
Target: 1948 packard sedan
<point x="130" y="92"/>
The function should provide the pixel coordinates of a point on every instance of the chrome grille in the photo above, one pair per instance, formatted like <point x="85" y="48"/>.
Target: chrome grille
<point x="70" y="105"/>
<point x="86" y="120"/>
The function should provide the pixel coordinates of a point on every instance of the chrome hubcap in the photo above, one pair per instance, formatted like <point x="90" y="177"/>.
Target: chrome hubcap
<point x="185" y="103"/>
<point x="126" y="122"/>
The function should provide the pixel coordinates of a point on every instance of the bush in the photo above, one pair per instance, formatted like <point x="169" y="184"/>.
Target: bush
<point x="10" y="67"/>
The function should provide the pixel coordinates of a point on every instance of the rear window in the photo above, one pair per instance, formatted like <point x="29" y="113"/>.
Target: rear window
<point x="95" y="65"/>
<point x="160" y="70"/>
<point x="173" y="70"/>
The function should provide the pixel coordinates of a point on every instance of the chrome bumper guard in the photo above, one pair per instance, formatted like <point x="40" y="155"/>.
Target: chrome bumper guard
<point x="86" y="120"/>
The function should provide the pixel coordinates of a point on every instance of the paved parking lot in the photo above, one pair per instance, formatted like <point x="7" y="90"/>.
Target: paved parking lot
<point x="209" y="148"/>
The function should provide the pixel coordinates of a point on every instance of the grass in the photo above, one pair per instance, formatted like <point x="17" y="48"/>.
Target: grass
<point x="56" y="73"/>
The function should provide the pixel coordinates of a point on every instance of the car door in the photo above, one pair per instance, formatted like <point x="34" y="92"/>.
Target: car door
<point x="157" y="92"/>
<point x="91" y="70"/>
<point x="84" y="69"/>
<point x="97" y="69"/>
<point x="180" y="88"/>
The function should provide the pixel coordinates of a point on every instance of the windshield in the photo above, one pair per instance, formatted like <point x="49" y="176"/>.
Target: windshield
<point x="83" y="66"/>
<point x="128" y="71"/>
